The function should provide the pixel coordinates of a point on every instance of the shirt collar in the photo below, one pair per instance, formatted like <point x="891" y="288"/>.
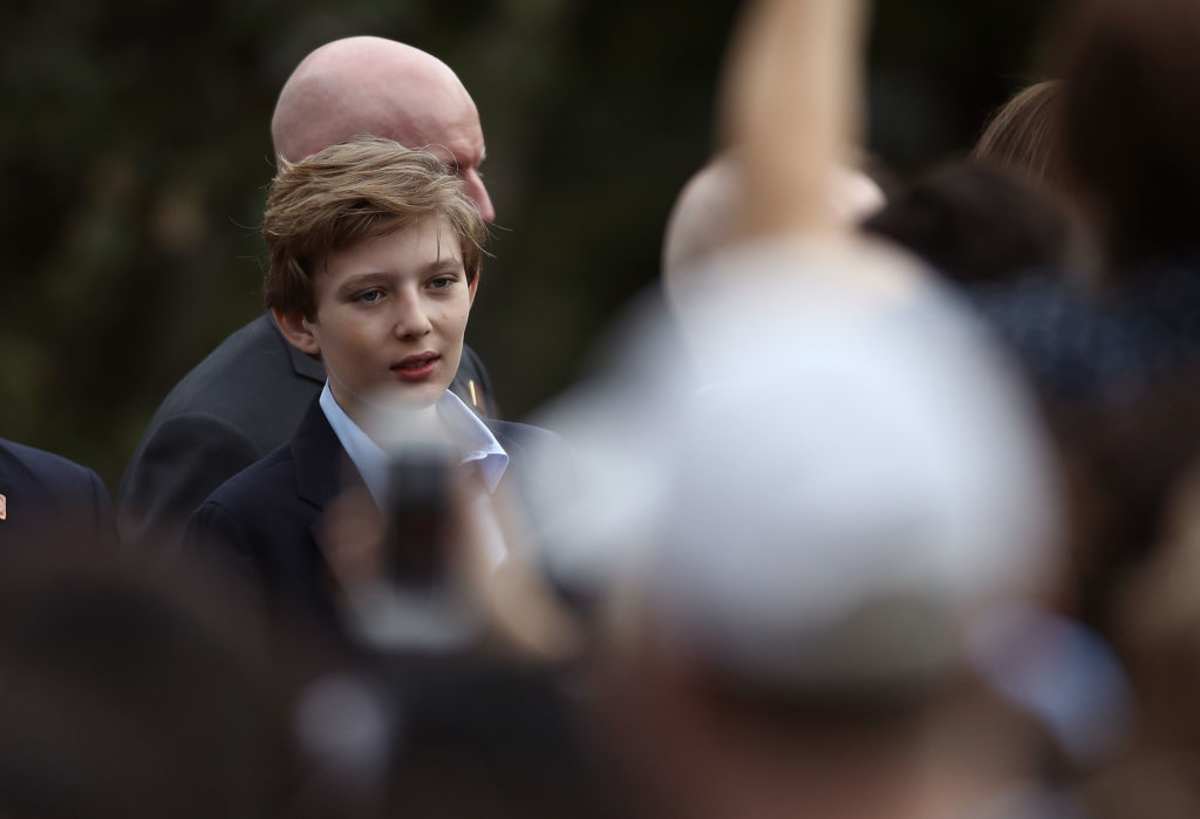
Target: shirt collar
<point x="470" y="435"/>
<point x="473" y="438"/>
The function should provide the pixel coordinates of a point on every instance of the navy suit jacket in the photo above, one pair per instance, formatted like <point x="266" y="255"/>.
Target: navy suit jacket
<point x="50" y="500"/>
<point x="266" y="520"/>
<point x="242" y="402"/>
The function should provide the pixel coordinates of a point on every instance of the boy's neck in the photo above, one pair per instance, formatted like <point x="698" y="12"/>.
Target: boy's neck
<point x="391" y="425"/>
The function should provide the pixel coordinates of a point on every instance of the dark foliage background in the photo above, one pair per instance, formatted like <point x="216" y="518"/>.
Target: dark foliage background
<point x="134" y="149"/>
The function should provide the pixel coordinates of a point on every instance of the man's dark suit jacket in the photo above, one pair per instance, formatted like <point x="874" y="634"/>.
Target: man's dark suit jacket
<point x="237" y="405"/>
<point x="50" y="500"/>
<point x="266" y="520"/>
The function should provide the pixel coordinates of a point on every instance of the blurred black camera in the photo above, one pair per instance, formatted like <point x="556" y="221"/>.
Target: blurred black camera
<point x="419" y="520"/>
<point x="417" y="605"/>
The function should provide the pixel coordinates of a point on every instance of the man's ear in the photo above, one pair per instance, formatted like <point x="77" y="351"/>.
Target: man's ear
<point x="297" y="330"/>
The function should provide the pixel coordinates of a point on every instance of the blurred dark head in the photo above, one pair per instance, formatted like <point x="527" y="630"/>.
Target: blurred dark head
<point x="1023" y="133"/>
<point x="1131" y="124"/>
<point x="490" y="739"/>
<point x="126" y="694"/>
<point x="977" y="223"/>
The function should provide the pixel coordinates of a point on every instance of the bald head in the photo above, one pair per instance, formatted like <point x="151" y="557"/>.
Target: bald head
<point x="708" y="209"/>
<point x="702" y="221"/>
<point x="371" y="86"/>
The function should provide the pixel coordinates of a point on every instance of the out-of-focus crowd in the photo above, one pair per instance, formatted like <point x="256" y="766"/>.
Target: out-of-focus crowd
<point x="886" y="503"/>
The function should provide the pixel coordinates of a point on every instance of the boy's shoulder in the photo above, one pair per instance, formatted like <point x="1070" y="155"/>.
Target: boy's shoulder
<point x="262" y="484"/>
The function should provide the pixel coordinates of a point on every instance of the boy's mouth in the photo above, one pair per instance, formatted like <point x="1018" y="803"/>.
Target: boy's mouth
<point x="416" y="367"/>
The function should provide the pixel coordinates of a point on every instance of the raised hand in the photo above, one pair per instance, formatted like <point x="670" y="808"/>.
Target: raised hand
<point x="790" y="106"/>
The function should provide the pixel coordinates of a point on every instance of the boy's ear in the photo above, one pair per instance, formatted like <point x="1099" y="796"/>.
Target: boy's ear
<point x="473" y="286"/>
<point x="297" y="330"/>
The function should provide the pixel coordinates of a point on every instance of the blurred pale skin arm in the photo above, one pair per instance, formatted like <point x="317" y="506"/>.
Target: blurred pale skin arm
<point x="790" y="105"/>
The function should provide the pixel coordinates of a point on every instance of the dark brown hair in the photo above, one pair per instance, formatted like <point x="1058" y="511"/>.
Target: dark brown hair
<point x="977" y="223"/>
<point x="1131" y="124"/>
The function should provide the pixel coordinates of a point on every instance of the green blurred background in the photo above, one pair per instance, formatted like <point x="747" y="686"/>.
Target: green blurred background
<point x="135" y="151"/>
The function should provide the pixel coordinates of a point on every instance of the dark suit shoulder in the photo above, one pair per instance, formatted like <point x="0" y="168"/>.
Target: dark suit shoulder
<point x="258" y="525"/>
<point x="63" y="476"/>
<point x="248" y="512"/>
<point x="238" y="404"/>
<point x="270" y="478"/>
<point x="179" y="463"/>
<point x="63" y="496"/>
<point x="240" y="381"/>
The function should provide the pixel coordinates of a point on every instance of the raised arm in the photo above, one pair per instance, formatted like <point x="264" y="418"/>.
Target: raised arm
<point x="791" y="100"/>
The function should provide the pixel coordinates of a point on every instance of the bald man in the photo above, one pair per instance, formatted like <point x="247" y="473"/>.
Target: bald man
<point x="368" y="85"/>
<point x="248" y="396"/>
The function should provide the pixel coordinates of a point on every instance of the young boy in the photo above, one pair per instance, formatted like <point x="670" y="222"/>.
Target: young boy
<point x="375" y="256"/>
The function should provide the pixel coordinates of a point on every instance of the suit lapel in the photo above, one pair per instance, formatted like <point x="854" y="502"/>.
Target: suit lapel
<point x="323" y="469"/>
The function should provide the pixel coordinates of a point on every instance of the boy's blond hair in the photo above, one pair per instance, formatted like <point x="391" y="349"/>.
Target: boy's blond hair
<point x="351" y="192"/>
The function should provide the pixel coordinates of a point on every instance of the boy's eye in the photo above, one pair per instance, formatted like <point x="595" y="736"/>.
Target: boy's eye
<point x="370" y="296"/>
<point x="442" y="282"/>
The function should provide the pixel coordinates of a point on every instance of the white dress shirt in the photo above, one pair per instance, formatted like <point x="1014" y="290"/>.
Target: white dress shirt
<point x="470" y="437"/>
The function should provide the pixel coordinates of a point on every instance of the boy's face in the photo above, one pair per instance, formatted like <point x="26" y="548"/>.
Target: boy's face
<point x="391" y="314"/>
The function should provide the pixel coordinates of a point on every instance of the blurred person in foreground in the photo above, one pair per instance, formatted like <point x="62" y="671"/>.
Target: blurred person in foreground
<point x="1024" y="135"/>
<point x="453" y="705"/>
<point x="1116" y="358"/>
<point x="835" y="531"/>
<point x="1158" y="630"/>
<point x="250" y="394"/>
<point x="138" y="693"/>
<point x="843" y="610"/>
<point x="978" y="224"/>
<point x="375" y="259"/>
<point x="46" y="500"/>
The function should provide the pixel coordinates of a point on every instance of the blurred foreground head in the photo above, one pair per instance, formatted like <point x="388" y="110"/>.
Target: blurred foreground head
<point x="370" y="86"/>
<point x="812" y="527"/>
<point x="1130" y="129"/>
<point x="128" y="694"/>
<point x="847" y="437"/>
